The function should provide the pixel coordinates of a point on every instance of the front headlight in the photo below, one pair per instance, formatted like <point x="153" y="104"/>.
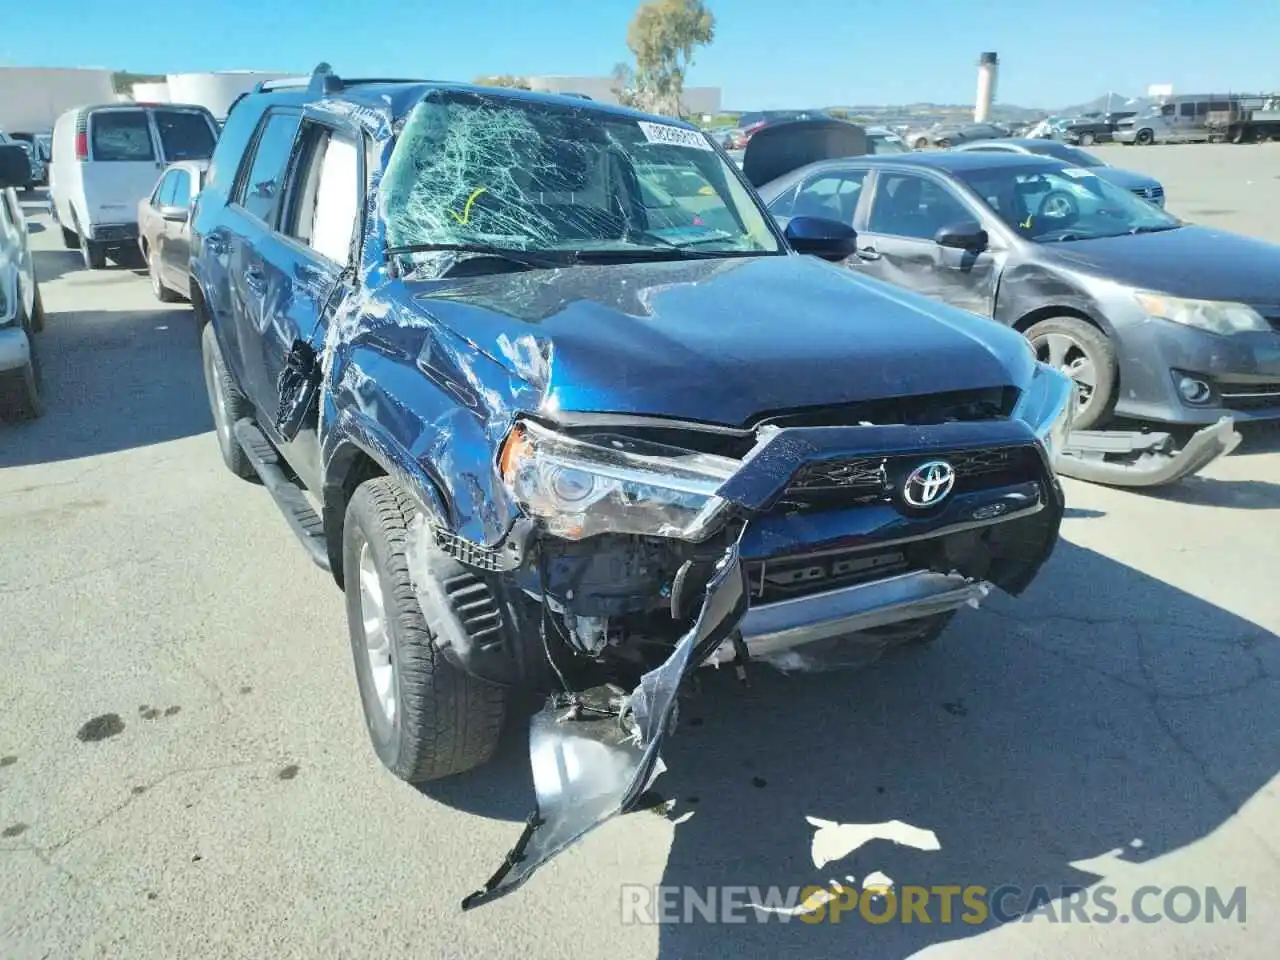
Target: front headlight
<point x="613" y="484"/>
<point x="1215" y="316"/>
<point x="1048" y="406"/>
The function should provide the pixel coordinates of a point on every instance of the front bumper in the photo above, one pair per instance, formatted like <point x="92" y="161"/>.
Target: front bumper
<point x="15" y="348"/>
<point x="594" y="753"/>
<point x="1242" y="372"/>
<point x="1124" y="136"/>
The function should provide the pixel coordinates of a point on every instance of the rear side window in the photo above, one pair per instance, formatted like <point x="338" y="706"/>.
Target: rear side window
<point x="121" y="136"/>
<point x="259" y="183"/>
<point x="184" y="135"/>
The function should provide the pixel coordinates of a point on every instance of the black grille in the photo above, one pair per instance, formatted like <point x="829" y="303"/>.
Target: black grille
<point x="1150" y="193"/>
<point x="1249" y="396"/>
<point x="836" y="483"/>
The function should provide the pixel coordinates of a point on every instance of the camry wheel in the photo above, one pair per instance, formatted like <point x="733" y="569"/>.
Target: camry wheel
<point x="1082" y="352"/>
<point x="1087" y="139"/>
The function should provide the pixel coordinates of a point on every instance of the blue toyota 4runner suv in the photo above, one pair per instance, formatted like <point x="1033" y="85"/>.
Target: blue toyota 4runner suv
<point x="564" y="410"/>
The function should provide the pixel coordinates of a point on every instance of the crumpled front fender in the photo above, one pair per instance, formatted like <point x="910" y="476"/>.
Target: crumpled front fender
<point x="594" y="758"/>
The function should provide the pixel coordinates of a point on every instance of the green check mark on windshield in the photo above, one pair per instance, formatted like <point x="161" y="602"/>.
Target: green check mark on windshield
<point x="466" y="210"/>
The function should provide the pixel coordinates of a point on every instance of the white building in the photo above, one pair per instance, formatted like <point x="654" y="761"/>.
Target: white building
<point x="215" y="91"/>
<point x="695" y="100"/>
<point x="32" y="98"/>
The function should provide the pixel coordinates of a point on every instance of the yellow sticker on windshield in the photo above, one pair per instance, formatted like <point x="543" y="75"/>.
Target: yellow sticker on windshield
<point x="466" y="210"/>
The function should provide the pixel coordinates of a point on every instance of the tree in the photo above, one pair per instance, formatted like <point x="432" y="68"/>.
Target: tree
<point x="663" y="37"/>
<point x="502" y="80"/>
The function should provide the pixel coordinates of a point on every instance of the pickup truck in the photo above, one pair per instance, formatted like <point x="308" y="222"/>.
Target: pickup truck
<point x="552" y="429"/>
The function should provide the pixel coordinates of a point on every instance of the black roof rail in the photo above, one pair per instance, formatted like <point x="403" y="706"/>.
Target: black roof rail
<point x="323" y="80"/>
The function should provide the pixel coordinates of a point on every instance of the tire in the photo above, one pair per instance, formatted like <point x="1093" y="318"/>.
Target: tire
<point x="20" y="389"/>
<point x="921" y="143"/>
<point x="944" y="144"/>
<point x="93" y="254"/>
<point x="1072" y="344"/>
<point x="70" y="240"/>
<point x="1144" y="138"/>
<point x="913" y="633"/>
<point x="37" y="312"/>
<point x="440" y="720"/>
<point x="227" y="405"/>
<point x="1087" y="139"/>
<point x="163" y="293"/>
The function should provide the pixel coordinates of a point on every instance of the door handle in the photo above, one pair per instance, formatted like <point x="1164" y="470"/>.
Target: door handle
<point x="868" y="253"/>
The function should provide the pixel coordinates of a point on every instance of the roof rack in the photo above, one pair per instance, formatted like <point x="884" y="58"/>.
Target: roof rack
<point x="323" y="80"/>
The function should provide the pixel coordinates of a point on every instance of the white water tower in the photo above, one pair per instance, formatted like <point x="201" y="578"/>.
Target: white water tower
<point x="988" y="66"/>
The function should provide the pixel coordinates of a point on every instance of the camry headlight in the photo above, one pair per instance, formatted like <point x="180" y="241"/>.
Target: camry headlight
<point x="1216" y="316"/>
<point x="613" y="484"/>
<point x="1048" y="406"/>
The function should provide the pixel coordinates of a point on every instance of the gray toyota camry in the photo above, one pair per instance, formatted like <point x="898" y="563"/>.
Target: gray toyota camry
<point x="1155" y="319"/>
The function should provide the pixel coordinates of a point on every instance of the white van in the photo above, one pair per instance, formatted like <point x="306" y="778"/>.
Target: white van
<point x="107" y="158"/>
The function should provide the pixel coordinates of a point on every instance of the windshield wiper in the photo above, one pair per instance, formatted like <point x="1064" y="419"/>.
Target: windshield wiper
<point x="538" y="261"/>
<point x="1161" y="228"/>
<point x="672" y="252"/>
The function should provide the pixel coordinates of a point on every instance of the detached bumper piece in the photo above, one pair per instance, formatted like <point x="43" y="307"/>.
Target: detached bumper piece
<point x="595" y="757"/>
<point x="1133" y="459"/>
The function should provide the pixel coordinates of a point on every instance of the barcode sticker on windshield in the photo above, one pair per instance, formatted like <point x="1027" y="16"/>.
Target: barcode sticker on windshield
<point x="673" y="136"/>
<point x="1077" y="172"/>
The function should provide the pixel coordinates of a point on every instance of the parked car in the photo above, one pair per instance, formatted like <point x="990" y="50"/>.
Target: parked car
<point x="33" y="165"/>
<point x="106" y="159"/>
<point x="164" y="228"/>
<point x="882" y="140"/>
<point x="945" y="135"/>
<point x="1149" y="188"/>
<point x="548" y="439"/>
<point x="41" y="152"/>
<point x="21" y="312"/>
<point x="1087" y="131"/>
<point x="1180" y="119"/>
<point x="1108" y="288"/>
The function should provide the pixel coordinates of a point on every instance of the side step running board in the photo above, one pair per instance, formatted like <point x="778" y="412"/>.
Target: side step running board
<point x="288" y="495"/>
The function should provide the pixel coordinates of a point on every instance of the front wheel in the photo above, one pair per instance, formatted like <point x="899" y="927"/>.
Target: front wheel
<point x="1083" y="353"/>
<point x="1144" y="138"/>
<point x="427" y="718"/>
<point x="1087" y="139"/>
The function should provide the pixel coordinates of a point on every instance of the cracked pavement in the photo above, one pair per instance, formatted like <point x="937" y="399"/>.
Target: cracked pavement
<point x="184" y="769"/>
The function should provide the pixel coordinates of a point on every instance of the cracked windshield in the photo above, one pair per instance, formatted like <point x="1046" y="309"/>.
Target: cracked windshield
<point x="530" y="176"/>
<point x="657" y="479"/>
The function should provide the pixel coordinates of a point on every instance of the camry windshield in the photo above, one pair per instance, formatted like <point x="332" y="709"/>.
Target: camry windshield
<point x="503" y="174"/>
<point x="1064" y="204"/>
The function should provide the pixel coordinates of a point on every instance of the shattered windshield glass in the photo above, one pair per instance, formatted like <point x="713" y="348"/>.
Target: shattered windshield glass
<point x="498" y="172"/>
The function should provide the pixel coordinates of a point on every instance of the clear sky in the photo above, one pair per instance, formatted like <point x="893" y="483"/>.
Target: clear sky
<point x="800" y="53"/>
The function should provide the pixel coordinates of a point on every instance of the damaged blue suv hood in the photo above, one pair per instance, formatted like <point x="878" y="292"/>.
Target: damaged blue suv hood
<point x="720" y="340"/>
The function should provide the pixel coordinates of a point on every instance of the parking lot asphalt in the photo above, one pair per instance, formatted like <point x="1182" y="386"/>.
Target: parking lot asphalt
<point x="184" y="769"/>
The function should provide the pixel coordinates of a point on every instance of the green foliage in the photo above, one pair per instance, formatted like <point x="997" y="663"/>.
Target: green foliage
<point x="663" y="37"/>
<point x="123" y="81"/>
<point x="502" y="80"/>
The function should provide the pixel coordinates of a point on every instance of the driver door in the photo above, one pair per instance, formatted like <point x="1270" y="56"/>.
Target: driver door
<point x="896" y="242"/>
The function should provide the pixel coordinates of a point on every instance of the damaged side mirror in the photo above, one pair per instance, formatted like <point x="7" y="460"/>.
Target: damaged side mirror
<point x="175" y="214"/>
<point x="966" y="235"/>
<point x="821" y="237"/>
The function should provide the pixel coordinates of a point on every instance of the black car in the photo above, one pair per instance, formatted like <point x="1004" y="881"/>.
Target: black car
<point x="1154" y="318"/>
<point x="1087" y="131"/>
<point x="559" y="419"/>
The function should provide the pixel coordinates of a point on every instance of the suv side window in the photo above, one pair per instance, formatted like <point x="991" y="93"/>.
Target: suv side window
<point x="1187" y="109"/>
<point x="325" y="196"/>
<point x="262" y="170"/>
<point x="907" y="205"/>
<point x="830" y="195"/>
<point x="1167" y="110"/>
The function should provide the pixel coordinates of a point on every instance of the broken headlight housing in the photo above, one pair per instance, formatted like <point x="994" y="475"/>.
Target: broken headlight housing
<point x="613" y="484"/>
<point x="1048" y="406"/>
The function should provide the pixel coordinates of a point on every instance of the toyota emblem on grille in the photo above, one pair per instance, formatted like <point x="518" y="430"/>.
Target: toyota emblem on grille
<point x="928" y="484"/>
